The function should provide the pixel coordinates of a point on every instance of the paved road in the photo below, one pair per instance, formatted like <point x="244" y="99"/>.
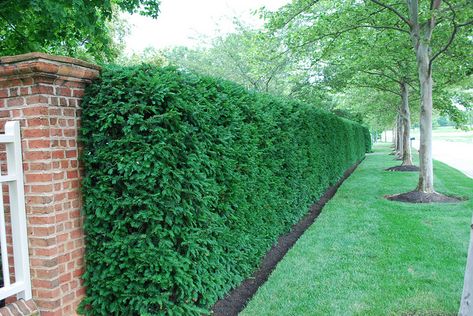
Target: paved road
<point x="459" y="155"/>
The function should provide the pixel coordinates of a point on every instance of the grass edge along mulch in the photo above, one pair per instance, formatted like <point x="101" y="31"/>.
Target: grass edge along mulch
<point x="236" y="300"/>
<point x="366" y="255"/>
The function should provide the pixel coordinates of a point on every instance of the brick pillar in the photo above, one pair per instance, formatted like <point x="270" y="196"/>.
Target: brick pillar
<point x="44" y="92"/>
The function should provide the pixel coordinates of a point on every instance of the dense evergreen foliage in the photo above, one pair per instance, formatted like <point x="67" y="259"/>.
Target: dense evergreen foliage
<point x="189" y="180"/>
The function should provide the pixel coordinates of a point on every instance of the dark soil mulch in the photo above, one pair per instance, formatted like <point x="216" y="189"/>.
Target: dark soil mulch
<point x="403" y="168"/>
<point x="421" y="197"/>
<point x="236" y="300"/>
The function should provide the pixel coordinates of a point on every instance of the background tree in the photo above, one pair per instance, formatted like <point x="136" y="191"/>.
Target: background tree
<point x="249" y="57"/>
<point x="257" y="60"/>
<point x="358" y="60"/>
<point x="323" y="22"/>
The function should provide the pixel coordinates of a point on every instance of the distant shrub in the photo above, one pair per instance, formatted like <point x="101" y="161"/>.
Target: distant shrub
<point x="189" y="180"/>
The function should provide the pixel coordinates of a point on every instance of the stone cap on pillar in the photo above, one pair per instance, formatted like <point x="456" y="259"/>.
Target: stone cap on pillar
<point x="30" y="64"/>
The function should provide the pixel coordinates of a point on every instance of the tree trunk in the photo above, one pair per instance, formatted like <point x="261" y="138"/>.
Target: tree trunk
<point x="394" y="135"/>
<point x="466" y="304"/>
<point x="399" y="131"/>
<point x="406" y="126"/>
<point x="426" y="174"/>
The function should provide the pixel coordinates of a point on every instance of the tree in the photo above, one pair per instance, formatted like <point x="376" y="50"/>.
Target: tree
<point x="365" y="103"/>
<point x="422" y="22"/>
<point x="77" y="28"/>
<point x="249" y="57"/>
<point x="257" y="60"/>
<point x="323" y="22"/>
<point x="149" y="55"/>
<point x="358" y="61"/>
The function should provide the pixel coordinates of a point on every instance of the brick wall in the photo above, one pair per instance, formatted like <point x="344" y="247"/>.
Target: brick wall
<point x="44" y="92"/>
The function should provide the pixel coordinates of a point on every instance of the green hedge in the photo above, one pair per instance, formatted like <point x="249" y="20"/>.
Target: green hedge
<point x="368" y="143"/>
<point x="189" y="180"/>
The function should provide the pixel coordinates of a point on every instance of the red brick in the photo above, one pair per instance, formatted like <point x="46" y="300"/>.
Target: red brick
<point x="39" y="143"/>
<point x="15" y="102"/>
<point x="47" y="305"/>
<point x="39" y="110"/>
<point x="24" y="91"/>
<point x="13" y="92"/>
<point x="36" y="155"/>
<point x="62" y="217"/>
<point x="38" y="188"/>
<point x="76" y="233"/>
<point x="43" y="242"/>
<point x="45" y="284"/>
<point x="72" y="174"/>
<point x="45" y="67"/>
<point x="71" y="153"/>
<point x="37" y="99"/>
<point x="27" y="81"/>
<point x="40" y="166"/>
<point x="59" y="175"/>
<point x="41" y="177"/>
<point x="41" y="198"/>
<point x="44" y="79"/>
<point x="45" y="252"/>
<point x="41" y="220"/>
<point x="32" y="122"/>
<point x="69" y="132"/>
<point x="42" y="89"/>
<point x="10" y="83"/>
<point x="74" y="84"/>
<point x="43" y="230"/>
<point x="43" y="262"/>
<point x="38" y="209"/>
<point x="56" y="131"/>
<point x="78" y="93"/>
<point x="58" y="154"/>
<point x="34" y="133"/>
<point x="63" y="91"/>
<point x="54" y="100"/>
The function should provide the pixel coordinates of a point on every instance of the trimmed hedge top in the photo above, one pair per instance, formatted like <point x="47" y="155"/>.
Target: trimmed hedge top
<point x="189" y="180"/>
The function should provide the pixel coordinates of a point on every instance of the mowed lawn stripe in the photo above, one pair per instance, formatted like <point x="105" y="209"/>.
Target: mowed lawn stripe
<point x="366" y="255"/>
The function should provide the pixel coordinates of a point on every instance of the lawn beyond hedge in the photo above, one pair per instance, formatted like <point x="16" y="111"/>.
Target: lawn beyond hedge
<point x="365" y="255"/>
<point x="189" y="180"/>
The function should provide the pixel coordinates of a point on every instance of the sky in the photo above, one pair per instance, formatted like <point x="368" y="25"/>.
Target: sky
<point x="191" y="22"/>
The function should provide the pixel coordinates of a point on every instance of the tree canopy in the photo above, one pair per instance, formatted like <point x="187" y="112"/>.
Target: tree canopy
<point x="77" y="28"/>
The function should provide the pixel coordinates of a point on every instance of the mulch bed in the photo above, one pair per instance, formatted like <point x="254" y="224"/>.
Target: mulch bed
<point x="403" y="168"/>
<point x="236" y="300"/>
<point x="421" y="197"/>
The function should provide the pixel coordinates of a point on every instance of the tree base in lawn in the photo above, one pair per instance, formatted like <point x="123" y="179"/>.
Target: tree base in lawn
<point x="403" y="168"/>
<point x="422" y="197"/>
<point x="392" y="153"/>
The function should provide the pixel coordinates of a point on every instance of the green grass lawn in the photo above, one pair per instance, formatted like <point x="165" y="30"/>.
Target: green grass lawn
<point x="448" y="133"/>
<point x="365" y="255"/>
